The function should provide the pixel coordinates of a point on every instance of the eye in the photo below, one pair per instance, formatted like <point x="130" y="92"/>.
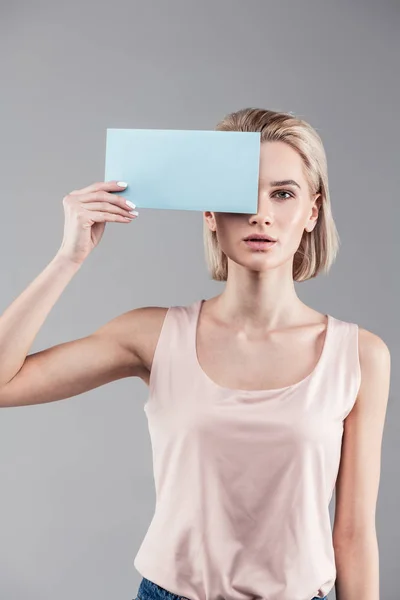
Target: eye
<point x="284" y="192"/>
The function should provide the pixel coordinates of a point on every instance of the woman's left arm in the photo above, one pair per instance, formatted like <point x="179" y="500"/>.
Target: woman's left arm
<point x="354" y="532"/>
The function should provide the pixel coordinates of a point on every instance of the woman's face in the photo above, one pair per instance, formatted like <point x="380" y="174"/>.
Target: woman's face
<point x="284" y="212"/>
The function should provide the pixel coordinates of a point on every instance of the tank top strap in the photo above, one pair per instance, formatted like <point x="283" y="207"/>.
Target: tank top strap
<point x="172" y="360"/>
<point x="341" y="369"/>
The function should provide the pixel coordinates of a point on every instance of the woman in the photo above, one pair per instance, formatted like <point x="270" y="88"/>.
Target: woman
<point x="258" y="404"/>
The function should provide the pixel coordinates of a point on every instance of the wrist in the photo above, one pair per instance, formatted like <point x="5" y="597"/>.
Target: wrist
<point x="65" y="261"/>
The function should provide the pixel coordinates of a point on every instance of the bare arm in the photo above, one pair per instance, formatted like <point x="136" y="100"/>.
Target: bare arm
<point x="21" y="321"/>
<point x="354" y="531"/>
<point x="73" y="367"/>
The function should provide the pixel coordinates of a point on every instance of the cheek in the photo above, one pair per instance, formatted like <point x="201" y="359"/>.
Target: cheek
<point x="227" y="226"/>
<point x="290" y="216"/>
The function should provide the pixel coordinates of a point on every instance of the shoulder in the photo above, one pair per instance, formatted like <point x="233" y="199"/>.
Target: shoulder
<point x="375" y="365"/>
<point x="138" y="321"/>
<point x="371" y="347"/>
<point x="373" y="350"/>
<point x="148" y="320"/>
<point x="139" y="329"/>
<point x="373" y="357"/>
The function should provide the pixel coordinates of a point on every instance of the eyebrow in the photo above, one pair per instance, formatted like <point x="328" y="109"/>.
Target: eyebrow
<point x="285" y="182"/>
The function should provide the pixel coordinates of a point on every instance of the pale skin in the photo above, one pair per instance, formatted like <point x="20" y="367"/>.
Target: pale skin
<point x="258" y="314"/>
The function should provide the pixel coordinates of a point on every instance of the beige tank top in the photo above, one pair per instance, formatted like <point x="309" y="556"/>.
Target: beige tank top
<point x="244" y="479"/>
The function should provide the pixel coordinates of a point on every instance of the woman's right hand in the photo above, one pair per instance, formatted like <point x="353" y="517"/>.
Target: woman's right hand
<point x="86" y="214"/>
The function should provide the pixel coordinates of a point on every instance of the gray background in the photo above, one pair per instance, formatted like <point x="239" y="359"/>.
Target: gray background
<point x="77" y="490"/>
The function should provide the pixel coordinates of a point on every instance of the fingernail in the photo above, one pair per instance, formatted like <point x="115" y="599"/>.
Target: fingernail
<point x="134" y="212"/>
<point x="122" y="183"/>
<point x="130" y="204"/>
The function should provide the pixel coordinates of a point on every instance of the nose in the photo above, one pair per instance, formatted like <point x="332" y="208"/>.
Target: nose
<point x="263" y="215"/>
<point x="265" y="208"/>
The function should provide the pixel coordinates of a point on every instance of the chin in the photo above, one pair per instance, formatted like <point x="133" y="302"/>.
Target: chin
<point x="259" y="261"/>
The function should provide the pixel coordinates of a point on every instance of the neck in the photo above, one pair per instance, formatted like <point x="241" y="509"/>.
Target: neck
<point x="252" y="299"/>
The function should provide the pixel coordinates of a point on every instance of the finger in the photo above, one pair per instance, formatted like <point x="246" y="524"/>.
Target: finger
<point x="102" y="217"/>
<point x="102" y="196"/>
<point x="109" y="207"/>
<point x="108" y="186"/>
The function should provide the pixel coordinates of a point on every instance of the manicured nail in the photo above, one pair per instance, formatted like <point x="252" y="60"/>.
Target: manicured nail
<point x="130" y="204"/>
<point x="122" y="183"/>
<point x="134" y="212"/>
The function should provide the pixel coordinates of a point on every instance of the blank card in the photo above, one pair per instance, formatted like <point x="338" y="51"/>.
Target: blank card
<point x="186" y="169"/>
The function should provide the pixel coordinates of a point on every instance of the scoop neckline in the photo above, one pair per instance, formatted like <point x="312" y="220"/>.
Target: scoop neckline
<point x="268" y="391"/>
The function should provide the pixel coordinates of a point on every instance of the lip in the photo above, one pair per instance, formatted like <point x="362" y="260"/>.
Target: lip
<point x="260" y="244"/>
<point x="260" y="236"/>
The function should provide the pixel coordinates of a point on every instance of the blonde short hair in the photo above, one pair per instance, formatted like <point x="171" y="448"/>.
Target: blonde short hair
<point x="318" y="248"/>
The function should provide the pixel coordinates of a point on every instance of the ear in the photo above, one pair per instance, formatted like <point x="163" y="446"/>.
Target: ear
<point x="318" y="200"/>
<point x="209" y="218"/>
<point x="315" y="211"/>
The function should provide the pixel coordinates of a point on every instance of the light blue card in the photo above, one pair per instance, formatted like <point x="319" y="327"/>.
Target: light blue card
<point x="186" y="169"/>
